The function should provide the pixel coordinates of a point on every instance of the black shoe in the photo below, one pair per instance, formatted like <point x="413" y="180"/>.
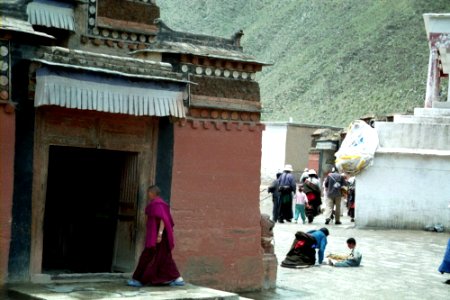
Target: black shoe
<point x="352" y="220"/>
<point x="447" y="281"/>
<point x="327" y="221"/>
<point x="337" y="223"/>
<point x="281" y="221"/>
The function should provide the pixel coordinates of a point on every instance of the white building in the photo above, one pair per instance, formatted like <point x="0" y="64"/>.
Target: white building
<point x="409" y="184"/>
<point x="288" y="143"/>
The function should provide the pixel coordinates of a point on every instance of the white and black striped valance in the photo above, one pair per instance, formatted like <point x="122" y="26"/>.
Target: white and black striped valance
<point x="51" y="14"/>
<point x="113" y="94"/>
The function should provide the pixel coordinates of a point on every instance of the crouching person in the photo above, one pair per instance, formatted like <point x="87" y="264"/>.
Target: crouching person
<point x="303" y="249"/>
<point x="351" y="260"/>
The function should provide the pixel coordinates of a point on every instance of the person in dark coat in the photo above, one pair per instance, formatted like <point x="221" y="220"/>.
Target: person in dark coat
<point x="351" y="199"/>
<point x="334" y="184"/>
<point x="303" y="249"/>
<point x="273" y="189"/>
<point x="311" y="188"/>
<point x="286" y="187"/>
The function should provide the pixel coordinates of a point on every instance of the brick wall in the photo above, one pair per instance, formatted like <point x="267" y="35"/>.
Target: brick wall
<point x="215" y="204"/>
<point x="226" y="88"/>
<point x="136" y="12"/>
<point x="313" y="161"/>
<point x="7" y="141"/>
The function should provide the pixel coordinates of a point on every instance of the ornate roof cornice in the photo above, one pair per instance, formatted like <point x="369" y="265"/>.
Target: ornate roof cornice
<point x="97" y="62"/>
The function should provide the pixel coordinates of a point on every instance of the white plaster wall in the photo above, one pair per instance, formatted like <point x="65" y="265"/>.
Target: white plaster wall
<point x="404" y="191"/>
<point x="273" y="151"/>
<point x="413" y="136"/>
<point x="437" y="23"/>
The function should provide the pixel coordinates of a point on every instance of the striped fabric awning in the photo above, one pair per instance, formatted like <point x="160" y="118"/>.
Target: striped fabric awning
<point x="111" y="94"/>
<point x="51" y="14"/>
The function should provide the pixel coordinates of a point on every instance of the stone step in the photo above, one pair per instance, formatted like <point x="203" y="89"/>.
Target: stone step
<point x="431" y="112"/>
<point x="443" y="104"/>
<point x="421" y="119"/>
<point x="114" y="290"/>
<point x="413" y="136"/>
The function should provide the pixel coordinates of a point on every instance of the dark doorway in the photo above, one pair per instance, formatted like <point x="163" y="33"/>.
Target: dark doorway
<point x="81" y="209"/>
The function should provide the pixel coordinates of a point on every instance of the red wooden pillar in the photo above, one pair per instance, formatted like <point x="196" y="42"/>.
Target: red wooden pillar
<point x="7" y="141"/>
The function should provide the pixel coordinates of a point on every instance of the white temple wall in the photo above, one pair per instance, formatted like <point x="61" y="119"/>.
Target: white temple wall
<point x="273" y="151"/>
<point x="404" y="191"/>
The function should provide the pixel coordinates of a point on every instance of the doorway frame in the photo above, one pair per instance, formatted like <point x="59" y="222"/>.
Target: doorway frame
<point x="63" y="127"/>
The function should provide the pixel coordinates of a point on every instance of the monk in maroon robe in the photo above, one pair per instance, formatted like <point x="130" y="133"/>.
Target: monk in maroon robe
<point x="156" y="265"/>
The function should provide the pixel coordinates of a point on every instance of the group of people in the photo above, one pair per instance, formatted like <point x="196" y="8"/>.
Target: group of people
<point x="157" y="267"/>
<point x="303" y="251"/>
<point x="292" y="201"/>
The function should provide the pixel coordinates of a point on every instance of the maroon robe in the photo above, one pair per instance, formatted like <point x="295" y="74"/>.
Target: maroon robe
<point x="156" y="265"/>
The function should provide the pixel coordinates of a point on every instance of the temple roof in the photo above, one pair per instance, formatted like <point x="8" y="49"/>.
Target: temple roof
<point x="171" y="41"/>
<point x="201" y="50"/>
<point x="104" y="63"/>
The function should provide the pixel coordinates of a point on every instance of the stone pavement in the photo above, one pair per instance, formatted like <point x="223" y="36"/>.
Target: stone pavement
<point x="396" y="264"/>
<point x="113" y="290"/>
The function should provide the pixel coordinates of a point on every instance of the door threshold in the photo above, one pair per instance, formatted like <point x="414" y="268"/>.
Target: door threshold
<point x="78" y="277"/>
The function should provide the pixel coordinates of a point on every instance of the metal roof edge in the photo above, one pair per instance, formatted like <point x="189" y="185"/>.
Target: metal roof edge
<point x="199" y="37"/>
<point x="8" y="23"/>
<point x="281" y="123"/>
<point x="214" y="106"/>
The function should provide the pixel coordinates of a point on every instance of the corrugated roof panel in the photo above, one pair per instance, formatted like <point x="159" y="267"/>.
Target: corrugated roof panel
<point x="16" y="25"/>
<point x="51" y="14"/>
<point x="109" y="94"/>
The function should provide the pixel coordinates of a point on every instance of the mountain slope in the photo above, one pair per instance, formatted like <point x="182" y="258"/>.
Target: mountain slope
<point x="334" y="60"/>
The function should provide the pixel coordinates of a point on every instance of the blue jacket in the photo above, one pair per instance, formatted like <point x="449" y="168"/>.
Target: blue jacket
<point x="321" y="242"/>
<point x="445" y="266"/>
<point x="287" y="179"/>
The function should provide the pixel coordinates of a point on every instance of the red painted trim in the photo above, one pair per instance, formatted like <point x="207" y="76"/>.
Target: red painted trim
<point x="7" y="142"/>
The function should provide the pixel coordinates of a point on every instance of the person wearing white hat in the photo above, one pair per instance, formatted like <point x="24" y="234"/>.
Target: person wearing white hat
<point x="286" y="186"/>
<point x="288" y="168"/>
<point x="304" y="175"/>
